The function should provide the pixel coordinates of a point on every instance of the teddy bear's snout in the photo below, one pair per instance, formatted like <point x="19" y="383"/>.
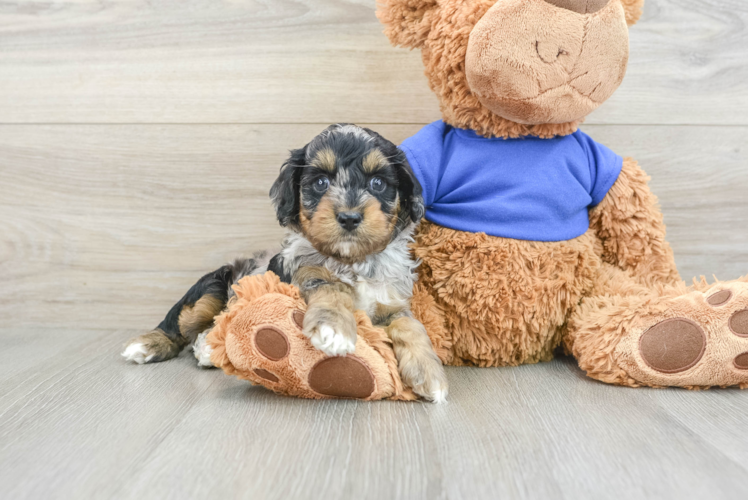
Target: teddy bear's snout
<point x="580" y="6"/>
<point x="537" y="62"/>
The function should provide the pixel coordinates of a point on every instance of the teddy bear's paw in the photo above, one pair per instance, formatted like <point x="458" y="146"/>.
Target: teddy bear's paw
<point x="700" y="340"/>
<point x="202" y="350"/>
<point x="263" y="341"/>
<point x="425" y="376"/>
<point x="332" y="331"/>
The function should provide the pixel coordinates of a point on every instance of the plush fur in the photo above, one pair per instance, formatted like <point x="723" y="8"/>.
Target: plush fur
<point x="612" y="297"/>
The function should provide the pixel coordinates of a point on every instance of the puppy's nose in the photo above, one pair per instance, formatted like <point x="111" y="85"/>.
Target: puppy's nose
<point x="580" y="6"/>
<point x="349" y="220"/>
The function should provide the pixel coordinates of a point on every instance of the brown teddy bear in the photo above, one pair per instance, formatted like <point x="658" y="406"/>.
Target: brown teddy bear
<point x="535" y="237"/>
<point x="610" y="295"/>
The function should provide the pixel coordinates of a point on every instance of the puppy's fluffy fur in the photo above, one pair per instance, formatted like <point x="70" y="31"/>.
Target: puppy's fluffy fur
<point x="351" y="202"/>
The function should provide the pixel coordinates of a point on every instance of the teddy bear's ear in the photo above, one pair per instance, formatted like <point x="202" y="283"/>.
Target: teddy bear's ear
<point x="633" y="9"/>
<point x="407" y="22"/>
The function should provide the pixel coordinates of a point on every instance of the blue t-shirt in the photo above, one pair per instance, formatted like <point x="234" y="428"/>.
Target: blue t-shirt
<point x="527" y="189"/>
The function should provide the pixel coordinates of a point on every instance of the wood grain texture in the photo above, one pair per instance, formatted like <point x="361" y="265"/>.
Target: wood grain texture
<point x="107" y="226"/>
<point x="138" y="141"/>
<point x="93" y="426"/>
<point x="302" y="61"/>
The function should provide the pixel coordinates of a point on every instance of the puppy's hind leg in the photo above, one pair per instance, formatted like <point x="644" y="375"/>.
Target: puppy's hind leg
<point x="166" y="341"/>
<point x="190" y="316"/>
<point x="151" y="347"/>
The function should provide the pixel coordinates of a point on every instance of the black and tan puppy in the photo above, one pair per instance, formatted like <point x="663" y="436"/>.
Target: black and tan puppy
<point x="351" y="203"/>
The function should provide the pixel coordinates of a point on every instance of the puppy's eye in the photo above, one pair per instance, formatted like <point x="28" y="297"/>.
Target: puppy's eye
<point x="321" y="184"/>
<point x="377" y="184"/>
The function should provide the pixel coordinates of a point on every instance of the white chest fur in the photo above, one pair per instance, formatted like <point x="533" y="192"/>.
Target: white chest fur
<point x="385" y="278"/>
<point x="371" y="293"/>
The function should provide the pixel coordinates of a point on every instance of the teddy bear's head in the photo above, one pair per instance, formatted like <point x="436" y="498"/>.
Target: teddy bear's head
<point x="507" y="68"/>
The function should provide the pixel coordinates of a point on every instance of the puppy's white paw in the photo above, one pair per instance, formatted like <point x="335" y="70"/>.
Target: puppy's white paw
<point x="137" y="352"/>
<point x="331" y="329"/>
<point x="151" y="347"/>
<point x="333" y="343"/>
<point x="425" y="375"/>
<point x="203" y="350"/>
<point x="432" y="391"/>
<point x="438" y="395"/>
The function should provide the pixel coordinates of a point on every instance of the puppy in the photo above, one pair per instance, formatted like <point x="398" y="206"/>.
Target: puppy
<point x="351" y="202"/>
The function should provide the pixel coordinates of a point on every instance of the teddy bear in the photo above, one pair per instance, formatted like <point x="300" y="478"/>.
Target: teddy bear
<point x="536" y="239"/>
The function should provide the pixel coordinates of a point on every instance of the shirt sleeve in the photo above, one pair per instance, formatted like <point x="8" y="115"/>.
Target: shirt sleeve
<point x="605" y="167"/>
<point x="424" y="153"/>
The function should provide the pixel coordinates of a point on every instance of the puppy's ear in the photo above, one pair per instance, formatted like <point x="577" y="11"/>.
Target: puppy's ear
<point x="407" y="23"/>
<point x="411" y="194"/>
<point x="286" y="189"/>
<point x="408" y="188"/>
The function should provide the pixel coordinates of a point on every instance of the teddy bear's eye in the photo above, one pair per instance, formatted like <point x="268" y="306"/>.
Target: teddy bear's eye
<point x="321" y="184"/>
<point x="377" y="184"/>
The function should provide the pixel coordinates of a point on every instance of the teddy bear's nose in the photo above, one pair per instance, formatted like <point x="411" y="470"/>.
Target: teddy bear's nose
<point x="580" y="6"/>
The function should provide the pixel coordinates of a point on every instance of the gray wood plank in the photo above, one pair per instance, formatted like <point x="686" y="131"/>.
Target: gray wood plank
<point x="107" y="226"/>
<point x="87" y="425"/>
<point x="545" y="431"/>
<point x="73" y="424"/>
<point x="301" y="61"/>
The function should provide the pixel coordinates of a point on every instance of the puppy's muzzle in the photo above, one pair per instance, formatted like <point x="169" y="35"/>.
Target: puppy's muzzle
<point x="349" y="220"/>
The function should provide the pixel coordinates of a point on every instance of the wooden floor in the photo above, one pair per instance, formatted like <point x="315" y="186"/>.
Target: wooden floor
<point x="138" y="141"/>
<point x="76" y="422"/>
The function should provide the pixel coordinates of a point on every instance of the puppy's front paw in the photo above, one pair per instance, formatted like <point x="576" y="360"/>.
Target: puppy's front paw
<point x="331" y="331"/>
<point x="425" y="375"/>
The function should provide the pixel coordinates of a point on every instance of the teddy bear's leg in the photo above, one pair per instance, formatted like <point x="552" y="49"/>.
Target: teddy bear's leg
<point x="260" y="338"/>
<point x="664" y="336"/>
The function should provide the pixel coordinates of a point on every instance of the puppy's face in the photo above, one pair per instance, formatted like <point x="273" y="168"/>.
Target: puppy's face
<point x="349" y="191"/>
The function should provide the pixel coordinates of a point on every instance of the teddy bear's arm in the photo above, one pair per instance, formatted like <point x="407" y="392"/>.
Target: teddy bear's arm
<point x="630" y="225"/>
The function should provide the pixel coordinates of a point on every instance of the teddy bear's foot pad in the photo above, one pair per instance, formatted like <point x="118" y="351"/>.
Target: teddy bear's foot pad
<point x="673" y="345"/>
<point x="264" y="374"/>
<point x="272" y="343"/>
<point x="341" y="377"/>
<point x="741" y="361"/>
<point x="739" y="323"/>
<point x="699" y="339"/>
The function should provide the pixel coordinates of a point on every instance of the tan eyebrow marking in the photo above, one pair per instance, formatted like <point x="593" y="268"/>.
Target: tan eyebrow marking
<point x="374" y="160"/>
<point x="325" y="159"/>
